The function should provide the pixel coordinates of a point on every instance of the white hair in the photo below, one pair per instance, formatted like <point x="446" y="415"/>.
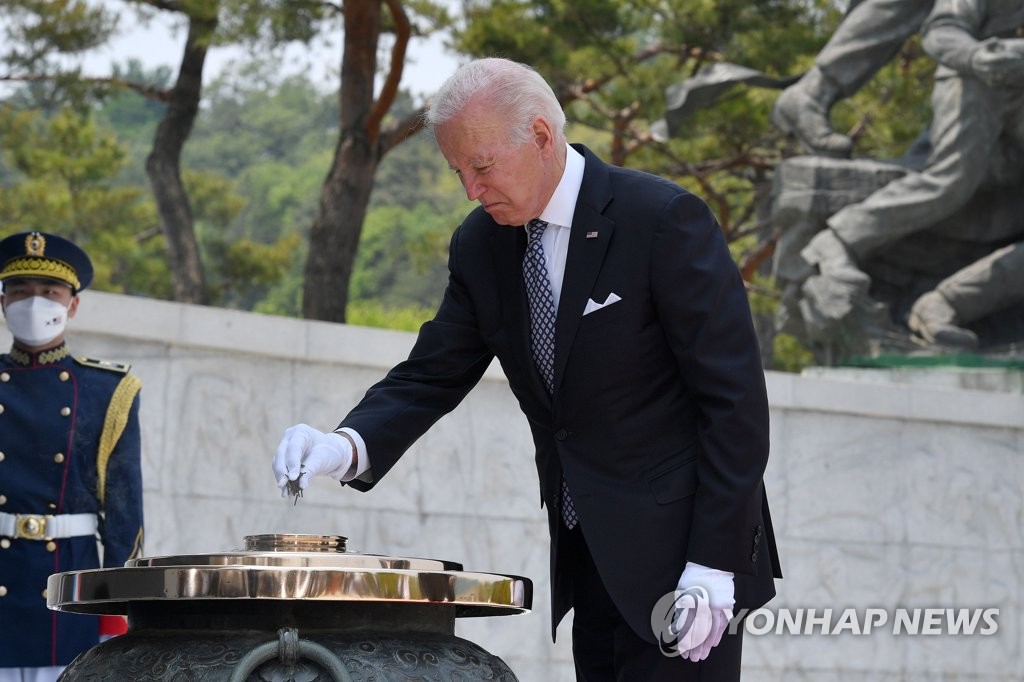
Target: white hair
<point x="516" y="90"/>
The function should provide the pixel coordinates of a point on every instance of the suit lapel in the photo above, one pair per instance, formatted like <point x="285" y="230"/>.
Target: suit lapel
<point x="508" y="245"/>
<point x="589" y="236"/>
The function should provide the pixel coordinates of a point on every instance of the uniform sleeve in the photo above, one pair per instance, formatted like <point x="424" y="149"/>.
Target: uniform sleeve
<point x="121" y="522"/>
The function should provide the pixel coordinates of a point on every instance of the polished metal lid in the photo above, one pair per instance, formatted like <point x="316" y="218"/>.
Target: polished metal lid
<point x="292" y="567"/>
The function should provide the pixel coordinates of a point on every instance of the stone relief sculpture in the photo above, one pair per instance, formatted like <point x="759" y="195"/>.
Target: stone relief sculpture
<point x="926" y="250"/>
<point x="868" y="38"/>
<point x="934" y="241"/>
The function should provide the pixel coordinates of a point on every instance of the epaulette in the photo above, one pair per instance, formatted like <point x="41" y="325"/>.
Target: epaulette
<point x="109" y="365"/>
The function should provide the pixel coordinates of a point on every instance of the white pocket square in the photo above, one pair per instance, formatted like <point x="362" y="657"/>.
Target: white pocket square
<point x="592" y="305"/>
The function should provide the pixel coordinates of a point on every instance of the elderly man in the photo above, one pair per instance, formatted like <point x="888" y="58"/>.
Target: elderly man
<point x="69" y="459"/>
<point x="611" y="302"/>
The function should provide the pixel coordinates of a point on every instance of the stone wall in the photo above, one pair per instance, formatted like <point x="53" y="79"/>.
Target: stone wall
<point x="889" y="489"/>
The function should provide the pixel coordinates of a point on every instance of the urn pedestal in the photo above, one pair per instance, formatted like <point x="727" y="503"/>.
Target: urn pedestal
<point x="289" y="607"/>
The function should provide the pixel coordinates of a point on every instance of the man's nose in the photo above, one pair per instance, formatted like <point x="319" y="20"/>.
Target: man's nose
<point x="474" y="188"/>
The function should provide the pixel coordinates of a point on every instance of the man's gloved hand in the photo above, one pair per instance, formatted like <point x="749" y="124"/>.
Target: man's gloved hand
<point x="700" y="627"/>
<point x="305" y="452"/>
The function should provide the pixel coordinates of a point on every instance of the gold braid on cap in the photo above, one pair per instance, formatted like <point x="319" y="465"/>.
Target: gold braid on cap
<point x="32" y="266"/>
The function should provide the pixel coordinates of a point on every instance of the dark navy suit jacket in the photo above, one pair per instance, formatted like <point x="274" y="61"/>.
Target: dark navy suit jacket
<point x="659" y="417"/>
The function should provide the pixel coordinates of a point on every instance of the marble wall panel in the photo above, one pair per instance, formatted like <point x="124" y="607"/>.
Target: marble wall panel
<point x="889" y="489"/>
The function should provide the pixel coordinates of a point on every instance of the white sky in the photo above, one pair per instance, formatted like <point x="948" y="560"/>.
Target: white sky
<point x="161" y="42"/>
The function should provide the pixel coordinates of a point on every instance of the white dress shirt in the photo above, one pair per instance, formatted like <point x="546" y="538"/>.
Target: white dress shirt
<point x="558" y="215"/>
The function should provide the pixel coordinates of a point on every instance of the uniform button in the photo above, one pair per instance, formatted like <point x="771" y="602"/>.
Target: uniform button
<point x="52" y="505"/>
<point x="753" y="558"/>
<point x="561" y="434"/>
<point x="64" y="376"/>
<point x="44" y="594"/>
<point x="1" y="456"/>
<point x="5" y="543"/>
<point x="3" y="499"/>
<point x="51" y="546"/>
<point x="59" y="457"/>
<point x="65" y="411"/>
<point x="1" y="408"/>
<point x="5" y="377"/>
<point x="3" y="591"/>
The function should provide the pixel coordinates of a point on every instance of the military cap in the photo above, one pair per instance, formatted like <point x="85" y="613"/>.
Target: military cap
<point x="40" y="254"/>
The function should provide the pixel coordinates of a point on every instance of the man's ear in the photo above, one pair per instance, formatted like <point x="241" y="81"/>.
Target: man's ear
<point x="543" y="136"/>
<point x="73" y="306"/>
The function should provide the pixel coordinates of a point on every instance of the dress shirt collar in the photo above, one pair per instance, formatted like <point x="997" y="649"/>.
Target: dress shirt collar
<point x="562" y="204"/>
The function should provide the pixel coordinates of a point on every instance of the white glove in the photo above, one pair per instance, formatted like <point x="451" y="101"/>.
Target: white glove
<point x="704" y="599"/>
<point x="305" y="452"/>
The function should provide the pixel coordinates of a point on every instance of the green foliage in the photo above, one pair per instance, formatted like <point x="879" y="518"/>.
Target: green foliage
<point x="42" y="44"/>
<point x="789" y="356"/>
<point x="401" y="259"/>
<point x="264" y="142"/>
<point x="374" y="314"/>
<point x="39" y="32"/>
<point x="60" y="172"/>
<point x="272" y="21"/>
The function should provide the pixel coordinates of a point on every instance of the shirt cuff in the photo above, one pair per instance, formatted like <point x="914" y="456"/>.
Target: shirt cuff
<point x="362" y="457"/>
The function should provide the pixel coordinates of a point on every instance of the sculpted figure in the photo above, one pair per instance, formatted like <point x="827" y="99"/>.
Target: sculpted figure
<point x="978" y="107"/>
<point x="866" y="40"/>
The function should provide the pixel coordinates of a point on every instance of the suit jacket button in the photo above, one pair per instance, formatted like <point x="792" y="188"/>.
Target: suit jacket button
<point x="753" y="558"/>
<point x="561" y="434"/>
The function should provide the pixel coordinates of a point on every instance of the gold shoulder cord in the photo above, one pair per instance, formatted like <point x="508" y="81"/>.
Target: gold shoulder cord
<point x="113" y="426"/>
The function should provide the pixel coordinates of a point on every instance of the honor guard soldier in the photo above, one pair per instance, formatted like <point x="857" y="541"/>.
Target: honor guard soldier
<point x="70" y="471"/>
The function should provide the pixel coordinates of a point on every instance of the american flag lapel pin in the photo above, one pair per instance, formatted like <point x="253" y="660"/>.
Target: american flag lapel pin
<point x="592" y="234"/>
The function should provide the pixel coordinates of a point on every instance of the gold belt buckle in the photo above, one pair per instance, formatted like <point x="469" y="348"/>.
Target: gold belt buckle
<point x="31" y="526"/>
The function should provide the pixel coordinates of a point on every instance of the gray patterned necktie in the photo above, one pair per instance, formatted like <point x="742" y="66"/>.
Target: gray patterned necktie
<point x="542" y="328"/>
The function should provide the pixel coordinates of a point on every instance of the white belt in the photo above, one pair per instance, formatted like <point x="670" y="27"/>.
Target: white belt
<point x="47" y="527"/>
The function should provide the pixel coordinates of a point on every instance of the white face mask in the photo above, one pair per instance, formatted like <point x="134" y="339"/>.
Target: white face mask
<point x="36" y="321"/>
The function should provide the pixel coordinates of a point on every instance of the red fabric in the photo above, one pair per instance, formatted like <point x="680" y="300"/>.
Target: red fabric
<point x="113" y="625"/>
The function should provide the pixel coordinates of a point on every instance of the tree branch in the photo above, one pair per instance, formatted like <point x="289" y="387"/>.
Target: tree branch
<point x="150" y="92"/>
<point x="166" y="5"/>
<point x="753" y="261"/>
<point x="394" y="77"/>
<point x="401" y="131"/>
